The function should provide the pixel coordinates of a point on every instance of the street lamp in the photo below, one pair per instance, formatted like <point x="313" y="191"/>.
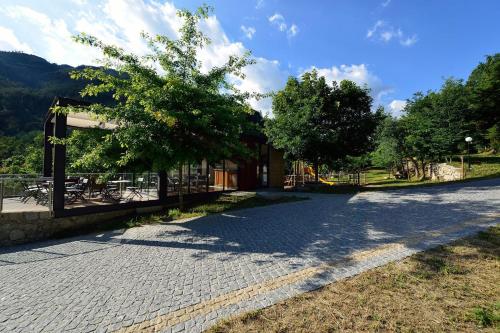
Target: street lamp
<point x="468" y="140"/>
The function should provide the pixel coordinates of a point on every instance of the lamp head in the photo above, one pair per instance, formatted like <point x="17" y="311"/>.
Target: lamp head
<point x="468" y="139"/>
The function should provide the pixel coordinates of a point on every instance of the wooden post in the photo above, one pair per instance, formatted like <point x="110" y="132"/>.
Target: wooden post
<point x="59" y="163"/>
<point x="1" y="195"/>
<point x="162" y="186"/>
<point x="207" y="175"/>
<point x="48" y="131"/>
<point x="189" y="178"/>
<point x="303" y="172"/>
<point x="181" y="198"/>
<point x="463" y="166"/>
<point x="223" y="175"/>
<point x="316" y="172"/>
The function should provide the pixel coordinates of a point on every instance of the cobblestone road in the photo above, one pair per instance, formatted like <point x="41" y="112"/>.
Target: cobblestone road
<point x="186" y="276"/>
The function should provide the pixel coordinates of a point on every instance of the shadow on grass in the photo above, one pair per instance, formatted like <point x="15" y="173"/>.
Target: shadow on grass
<point x="447" y="260"/>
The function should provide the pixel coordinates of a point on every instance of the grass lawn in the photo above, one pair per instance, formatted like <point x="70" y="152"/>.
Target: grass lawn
<point x="482" y="166"/>
<point x="454" y="288"/>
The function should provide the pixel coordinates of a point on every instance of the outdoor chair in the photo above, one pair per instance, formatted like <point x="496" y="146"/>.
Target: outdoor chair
<point x="135" y="191"/>
<point x="42" y="193"/>
<point x="173" y="183"/>
<point x="77" y="191"/>
<point x="29" y="192"/>
<point x="111" y="192"/>
<point x="95" y="188"/>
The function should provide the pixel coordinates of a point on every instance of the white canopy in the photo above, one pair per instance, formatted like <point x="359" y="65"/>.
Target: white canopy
<point x="87" y="120"/>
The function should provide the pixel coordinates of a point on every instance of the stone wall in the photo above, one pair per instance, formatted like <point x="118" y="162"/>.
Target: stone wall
<point x="444" y="172"/>
<point x="25" y="227"/>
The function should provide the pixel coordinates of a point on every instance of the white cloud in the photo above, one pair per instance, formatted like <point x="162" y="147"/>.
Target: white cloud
<point x="248" y="31"/>
<point x="386" y="3"/>
<point x="294" y="30"/>
<point x="371" y="31"/>
<point x="9" y="42"/>
<point x="79" y="2"/>
<point x="120" y="22"/>
<point x="54" y="38"/>
<point x="358" y="74"/>
<point x="385" y="32"/>
<point x="409" y="41"/>
<point x="263" y="77"/>
<point x="396" y="107"/>
<point x="259" y="4"/>
<point x="279" y="21"/>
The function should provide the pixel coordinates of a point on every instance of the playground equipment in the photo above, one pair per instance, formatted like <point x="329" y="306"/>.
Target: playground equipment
<point x="303" y="174"/>
<point x="310" y="171"/>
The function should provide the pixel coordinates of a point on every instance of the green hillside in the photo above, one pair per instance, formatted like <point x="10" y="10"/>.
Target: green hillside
<point x="28" y="85"/>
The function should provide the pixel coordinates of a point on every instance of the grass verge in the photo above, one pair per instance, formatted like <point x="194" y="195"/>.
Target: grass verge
<point x="454" y="288"/>
<point x="483" y="166"/>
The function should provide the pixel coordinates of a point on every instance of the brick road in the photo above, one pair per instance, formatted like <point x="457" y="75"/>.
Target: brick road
<point x="185" y="276"/>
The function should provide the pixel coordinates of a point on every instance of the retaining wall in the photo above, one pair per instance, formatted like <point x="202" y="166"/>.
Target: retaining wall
<point x="25" y="227"/>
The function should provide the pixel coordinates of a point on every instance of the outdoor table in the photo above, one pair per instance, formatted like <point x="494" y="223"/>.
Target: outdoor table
<point x="120" y="183"/>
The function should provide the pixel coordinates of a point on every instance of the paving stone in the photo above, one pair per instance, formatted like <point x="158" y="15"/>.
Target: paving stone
<point x="195" y="273"/>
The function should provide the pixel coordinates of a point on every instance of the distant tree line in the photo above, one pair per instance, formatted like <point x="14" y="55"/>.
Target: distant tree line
<point x="434" y="125"/>
<point x="182" y="115"/>
<point x="334" y="126"/>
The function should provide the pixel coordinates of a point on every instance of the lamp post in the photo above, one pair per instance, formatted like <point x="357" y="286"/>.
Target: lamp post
<point x="468" y="140"/>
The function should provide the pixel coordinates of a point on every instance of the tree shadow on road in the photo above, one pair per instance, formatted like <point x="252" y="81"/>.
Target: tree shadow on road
<point x="329" y="226"/>
<point x="325" y="228"/>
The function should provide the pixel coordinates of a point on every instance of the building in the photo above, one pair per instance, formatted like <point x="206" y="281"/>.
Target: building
<point x="264" y="169"/>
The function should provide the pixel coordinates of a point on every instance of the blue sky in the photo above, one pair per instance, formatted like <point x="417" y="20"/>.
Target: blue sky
<point x="396" y="47"/>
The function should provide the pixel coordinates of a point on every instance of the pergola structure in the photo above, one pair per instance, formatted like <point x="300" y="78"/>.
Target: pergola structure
<point x="54" y="160"/>
<point x="250" y="174"/>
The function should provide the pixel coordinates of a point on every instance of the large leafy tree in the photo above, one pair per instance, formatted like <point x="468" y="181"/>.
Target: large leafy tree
<point x="298" y="112"/>
<point x="389" y="151"/>
<point x="353" y="120"/>
<point x="484" y="86"/>
<point x="321" y="124"/>
<point x="168" y="111"/>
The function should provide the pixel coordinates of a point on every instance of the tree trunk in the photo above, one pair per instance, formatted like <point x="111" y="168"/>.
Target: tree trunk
<point x="408" y="170"/>
<point x="181" y="197"/>
<point x="417" y="171"/>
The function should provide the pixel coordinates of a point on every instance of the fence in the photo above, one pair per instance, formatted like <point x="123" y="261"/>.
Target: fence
<point x="85" y="190"/>
<point x="338" y="178"/>
<point x="19" y="190"/>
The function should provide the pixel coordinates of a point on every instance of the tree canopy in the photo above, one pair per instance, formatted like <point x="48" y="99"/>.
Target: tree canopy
<point x="168" y="111"/>
<point x="483" y="88"/>
<point x="319" y="123"/>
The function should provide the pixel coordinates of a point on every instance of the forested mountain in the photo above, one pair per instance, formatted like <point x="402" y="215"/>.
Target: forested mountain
<point x="28" y="85"/>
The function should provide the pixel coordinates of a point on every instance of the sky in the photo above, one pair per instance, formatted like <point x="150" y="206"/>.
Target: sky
<point x="395" y="47"/>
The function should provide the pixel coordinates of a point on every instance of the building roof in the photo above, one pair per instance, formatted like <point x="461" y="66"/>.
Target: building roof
<point x="82" y="119"/>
